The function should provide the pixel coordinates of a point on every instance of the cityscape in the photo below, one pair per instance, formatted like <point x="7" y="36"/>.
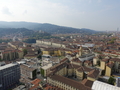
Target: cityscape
<point x="59" y="45"/>
<point x="68" y="62"/>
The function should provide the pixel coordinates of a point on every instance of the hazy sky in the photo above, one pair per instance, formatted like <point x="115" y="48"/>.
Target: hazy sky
<point x="92" y="14"/>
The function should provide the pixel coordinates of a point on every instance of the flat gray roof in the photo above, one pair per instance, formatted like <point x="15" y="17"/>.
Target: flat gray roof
<point x="7" y="66"/>
<point x="21" y="87"/>
<point x="47" y="66"/>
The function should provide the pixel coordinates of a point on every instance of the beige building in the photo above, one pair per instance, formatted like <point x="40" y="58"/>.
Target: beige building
<point x="45" y="69"/>
<point x="58" y="74"/>
<point x="95" y="59"/>
<point x="53" y="51"/>
<point x="76" y="61"/>
<point x="29" y="56"/>
<point x="109" y="69"/>
<point x="15" y="44"/>
<point x="11" y="54"/>
<point x="110" y="66"/>
<point x="66" y="83"/>
<point x="80" y="73"/>
<point x="50" y="42"/>
<point x="103" y="63"/>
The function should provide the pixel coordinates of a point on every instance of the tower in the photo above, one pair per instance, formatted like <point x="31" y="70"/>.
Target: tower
<point x="80" y="51"/>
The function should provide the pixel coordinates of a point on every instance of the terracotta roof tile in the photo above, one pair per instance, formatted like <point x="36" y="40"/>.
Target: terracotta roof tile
<point x="76" y="60"/>
<point x="70" y="82"/>
<point x="110" y="64"/>
<point x="93" y="73"/>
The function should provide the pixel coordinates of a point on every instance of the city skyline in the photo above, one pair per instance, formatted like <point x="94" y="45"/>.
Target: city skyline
<point x="93" y="14"/>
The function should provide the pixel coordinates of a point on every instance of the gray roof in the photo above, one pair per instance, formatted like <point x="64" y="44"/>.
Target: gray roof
<point x="97" y="85"/>
<point x="8" y="66"/>
<point x="21" y="87"/>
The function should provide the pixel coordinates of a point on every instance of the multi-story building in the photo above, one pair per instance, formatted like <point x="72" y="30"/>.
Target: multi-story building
<point x="66" y="83"/>
<point x="15" y="44"/>
<point x="60" y="73"/>
<point x="51" y="43"/>
<point x="28" y="71"/>
<point x="9" y="75"/>
<point x="11" y="54"/>
<point x="110" y="66"/>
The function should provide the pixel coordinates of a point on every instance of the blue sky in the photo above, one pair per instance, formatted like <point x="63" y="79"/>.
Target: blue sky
<point x="92" y="14"/>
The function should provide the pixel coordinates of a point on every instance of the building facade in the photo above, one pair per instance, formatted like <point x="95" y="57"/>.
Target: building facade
<point x="9" y="76"/>
<point x="28" y="71"/>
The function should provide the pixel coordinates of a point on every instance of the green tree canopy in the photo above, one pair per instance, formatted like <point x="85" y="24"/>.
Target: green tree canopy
<point x="24" y="51"/>
<point x="111" y="80"/>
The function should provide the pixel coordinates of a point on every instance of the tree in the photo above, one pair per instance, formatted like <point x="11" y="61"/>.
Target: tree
<point x="111" y="80"/>
<point x="112" y="40"/>
<point x="39" y="56"/>
<point x="0" y="59"/>
<point x="24" y="52"/>
<point x="39" y="51"/>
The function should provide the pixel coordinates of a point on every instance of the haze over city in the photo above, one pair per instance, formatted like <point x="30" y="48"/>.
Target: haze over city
<point x="92" y="14"/>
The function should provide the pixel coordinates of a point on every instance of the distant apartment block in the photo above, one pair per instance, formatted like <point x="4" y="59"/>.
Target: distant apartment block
<point x="51" y="42"/>
<point x="9" y="75"/>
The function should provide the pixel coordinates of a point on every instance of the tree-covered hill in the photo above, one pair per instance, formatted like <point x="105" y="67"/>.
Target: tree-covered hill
<point x="50" y="28"/>
<point x="23" y="32"/>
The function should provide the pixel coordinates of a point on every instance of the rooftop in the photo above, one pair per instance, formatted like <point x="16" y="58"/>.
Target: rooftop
<point x="47" y="66"/>
<point x="8" y="65"/>
<point x="86" y="55"/>
<point x="87" y="83"/>
<point x="70" y="82"/>
<point x="97" y="85"/>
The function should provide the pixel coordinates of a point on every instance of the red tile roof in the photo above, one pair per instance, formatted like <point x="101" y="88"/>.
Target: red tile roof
<point x="110" y="64"/>
<point x="94" y="73"/>
<point x="35" y="83"/>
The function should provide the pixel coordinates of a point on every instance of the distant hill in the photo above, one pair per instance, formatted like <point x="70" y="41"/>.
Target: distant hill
<point x="50" y="28"/>
<point x="23" y="32"/>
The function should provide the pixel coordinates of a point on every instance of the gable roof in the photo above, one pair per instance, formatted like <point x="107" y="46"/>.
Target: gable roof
<point x="93" y="73"/>
<point x="110" y="64"/>
<point x="69" y="82"/>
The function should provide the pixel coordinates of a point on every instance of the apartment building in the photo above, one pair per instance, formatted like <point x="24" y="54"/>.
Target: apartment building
<point x="28" y="71"/>
<point x="66" y="83"/>
<point x="11" y="54"/>
<point x="55" y="43"/>
<point x="15" y="44"/>
<point x="9" y="75"/>
<point x="59" y="75"/>
<point x="110" y="66"/>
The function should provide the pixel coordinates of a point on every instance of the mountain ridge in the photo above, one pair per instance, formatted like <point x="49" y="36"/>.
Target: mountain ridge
<point x="50" y="28"/>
